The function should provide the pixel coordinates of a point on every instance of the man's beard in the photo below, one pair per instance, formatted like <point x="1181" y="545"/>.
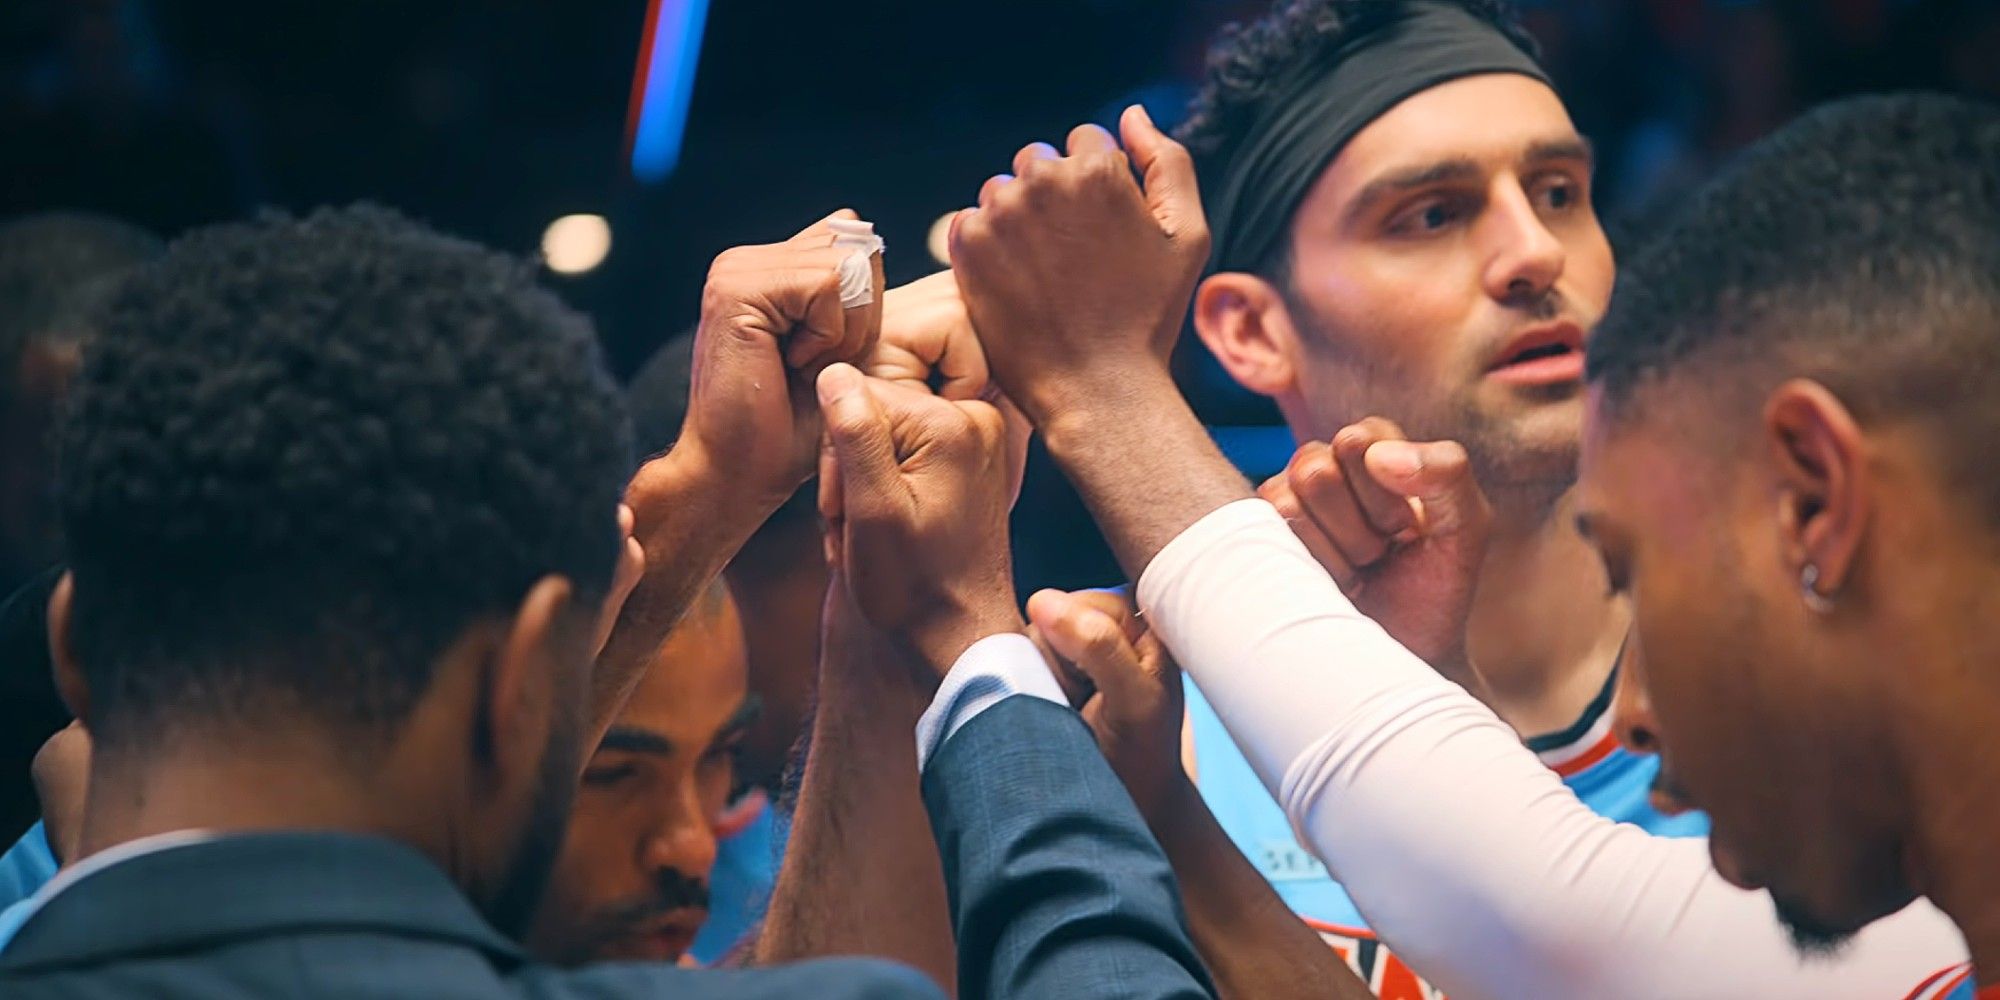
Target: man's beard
<point x="1522" y="478"/>
<point x="513" y="908"/>
<point x="1812" y="937"/>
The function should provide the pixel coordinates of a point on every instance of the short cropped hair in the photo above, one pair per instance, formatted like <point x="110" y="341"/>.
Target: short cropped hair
<point x="303" y="455"/>
<point x="1859" y="246"/>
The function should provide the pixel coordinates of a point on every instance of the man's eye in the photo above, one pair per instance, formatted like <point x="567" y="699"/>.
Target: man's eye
<point x="609" y="777"/>
<point x="1561" y="194"/>
<point x="1430" y="217"/>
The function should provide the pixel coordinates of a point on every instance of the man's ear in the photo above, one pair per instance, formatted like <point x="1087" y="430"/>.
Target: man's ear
<point x="1822" y="477"/>
<point x="1247" y="326"/>
<point x="70" y="681"/>
<point x="521" y="690"/>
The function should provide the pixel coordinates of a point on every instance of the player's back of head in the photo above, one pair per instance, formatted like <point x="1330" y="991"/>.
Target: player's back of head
<point x="304" y="454"/>
<point x="1859" y="246"/>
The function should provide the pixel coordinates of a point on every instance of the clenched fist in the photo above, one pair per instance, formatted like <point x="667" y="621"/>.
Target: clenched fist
<point x="1074" y="273"/>
<point x="1401" y="526"/>
<point x="915" y="493"/>
<point x="771" y="320"/>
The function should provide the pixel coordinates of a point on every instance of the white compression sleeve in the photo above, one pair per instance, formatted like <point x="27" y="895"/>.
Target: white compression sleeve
<point x="1466" y="855"/>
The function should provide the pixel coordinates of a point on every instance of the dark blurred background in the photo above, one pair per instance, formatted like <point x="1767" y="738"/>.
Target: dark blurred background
<point x="494" y="119"/>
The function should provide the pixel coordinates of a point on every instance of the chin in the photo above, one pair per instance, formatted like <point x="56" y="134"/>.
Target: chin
<point x="1814" y="935"/>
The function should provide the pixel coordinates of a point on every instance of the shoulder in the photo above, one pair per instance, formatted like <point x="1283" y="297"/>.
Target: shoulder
<point x="824" y="979"/>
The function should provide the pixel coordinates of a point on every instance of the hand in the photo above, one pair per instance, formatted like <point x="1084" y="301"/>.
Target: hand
<point x="62" y="781"/>
<point x="927" y="336"/>
<point x="1138" y="707"/>
<point x="914" y="494"/>
<point x="624" y="578"/>
<point x="1400" y="526"/>
<point x="926" y="333"/>
<point x="1074" y="276"/>
<point x="771" y="319"/>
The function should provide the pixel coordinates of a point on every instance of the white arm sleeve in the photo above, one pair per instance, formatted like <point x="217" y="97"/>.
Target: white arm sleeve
<point x="1466" y="855"/>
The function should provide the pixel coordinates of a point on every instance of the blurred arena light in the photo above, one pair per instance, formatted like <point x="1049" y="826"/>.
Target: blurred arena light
<point x="662" y="86"/>
<point x="575" y="244"/>
<point x="939" y="240"/>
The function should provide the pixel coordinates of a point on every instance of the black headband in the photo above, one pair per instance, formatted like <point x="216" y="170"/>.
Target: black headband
<point x="1326" y="102"/>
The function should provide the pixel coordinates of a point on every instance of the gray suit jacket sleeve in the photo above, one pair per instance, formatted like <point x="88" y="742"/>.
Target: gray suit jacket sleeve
<point x="1057" y="888"/>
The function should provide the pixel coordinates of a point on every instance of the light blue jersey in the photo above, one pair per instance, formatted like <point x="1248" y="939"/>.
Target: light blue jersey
<point x="1609" y="779"/>
<point x="24" y="869"/>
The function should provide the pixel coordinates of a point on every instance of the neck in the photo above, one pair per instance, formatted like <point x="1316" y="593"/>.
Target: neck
<point x="1544" y="630"/>
<point x="242" y="786"/>
<point x="1950" y="769"/>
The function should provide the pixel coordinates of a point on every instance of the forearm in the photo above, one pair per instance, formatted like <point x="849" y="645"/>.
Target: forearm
<point x="1400" y="780"/>
<point x="691" y="519"/>
<point x="1255" y="946"/>
<point x="1142" y="463"/>
<point x="861" y="874"/>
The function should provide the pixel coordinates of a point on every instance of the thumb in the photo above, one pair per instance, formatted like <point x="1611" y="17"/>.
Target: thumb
<point x="1439" y="475"/>
<point x="1166" y="172"/>
<point x="864" y="448"/>
<point x="1092" y="640"/>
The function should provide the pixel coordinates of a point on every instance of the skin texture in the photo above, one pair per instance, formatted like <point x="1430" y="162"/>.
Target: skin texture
<point x="1076" y="278"/>
<point x="915" y="493"/>
<point x="481" y="774"/>
<point x="1777" y="714"/>
<point x="1452" y="225"/>
<point x="631" y="883"/>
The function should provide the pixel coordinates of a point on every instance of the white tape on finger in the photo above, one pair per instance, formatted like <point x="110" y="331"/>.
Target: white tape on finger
<point x="857" y="269"/>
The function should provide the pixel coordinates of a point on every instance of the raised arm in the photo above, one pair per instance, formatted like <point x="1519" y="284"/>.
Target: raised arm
<point x="1468" y="857"/>
<point x="1255" y="946"/>
<point x="1055" y="887"/>
<point x="861" y="874"/>
<point x="771" y="319"/>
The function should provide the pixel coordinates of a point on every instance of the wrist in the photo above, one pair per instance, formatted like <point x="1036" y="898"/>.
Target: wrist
<point x="1167" y="798"/>
<point x="1077" y="413"/>
<point x="941" y="639"/>
<point x="691" y="472"/>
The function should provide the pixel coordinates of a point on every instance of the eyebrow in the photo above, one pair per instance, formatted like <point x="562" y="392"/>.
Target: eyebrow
<point x="1574" y="147"/>
<point x="1410" y="179"/>
<point x="1396" y="182"/>
<point x="631" y="740"/>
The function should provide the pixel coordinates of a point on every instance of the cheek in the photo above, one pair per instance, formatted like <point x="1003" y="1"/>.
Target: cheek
<point x="1688" y="675"/>
<point x="591" y="844"/>
<point x="1374" y="313"/>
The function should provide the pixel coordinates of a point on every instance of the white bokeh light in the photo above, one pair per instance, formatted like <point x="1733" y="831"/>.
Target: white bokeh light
<point x="939" y="240"/>
<point x="575" y="244"/>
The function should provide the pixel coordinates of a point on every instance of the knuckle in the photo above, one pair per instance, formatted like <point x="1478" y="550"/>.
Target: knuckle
<point x="1451" y="457"/>
<point x="728" y="260"/>
<point x="1315" y="474"/>
<point x="1378" y="427"/>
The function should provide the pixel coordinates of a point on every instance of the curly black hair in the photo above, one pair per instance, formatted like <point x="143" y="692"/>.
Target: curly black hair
<point x="1248" y="62"/>
<point x="1859" y="245"/>
<point x="304" y="454"/>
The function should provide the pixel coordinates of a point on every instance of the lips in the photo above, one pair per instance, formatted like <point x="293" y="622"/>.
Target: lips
<point x="665" y="938"/>
<point x="1548" y="354"/>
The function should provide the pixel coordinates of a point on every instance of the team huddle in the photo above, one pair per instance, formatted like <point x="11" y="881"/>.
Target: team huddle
<point x="1617" y="630"/>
